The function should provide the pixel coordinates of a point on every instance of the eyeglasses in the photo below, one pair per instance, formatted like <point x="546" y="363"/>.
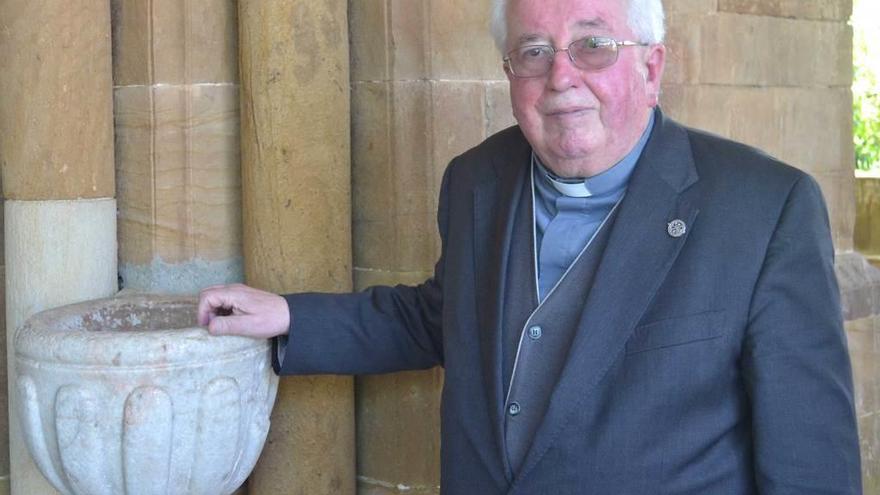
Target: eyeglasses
<point x="590" y="53"/>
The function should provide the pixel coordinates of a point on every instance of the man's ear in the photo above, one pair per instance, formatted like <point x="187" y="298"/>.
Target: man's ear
<point x="655" y="63"/>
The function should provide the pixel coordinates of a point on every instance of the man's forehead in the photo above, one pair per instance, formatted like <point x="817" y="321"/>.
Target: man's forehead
<point x="594" y="25"/>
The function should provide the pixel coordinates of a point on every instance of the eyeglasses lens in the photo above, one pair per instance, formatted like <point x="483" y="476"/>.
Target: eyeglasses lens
<point x="531" y="61"/>
<point x="591" y="53"/>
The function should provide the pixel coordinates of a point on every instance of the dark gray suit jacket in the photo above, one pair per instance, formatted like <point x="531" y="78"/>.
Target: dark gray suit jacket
<point x="709" y="363"/>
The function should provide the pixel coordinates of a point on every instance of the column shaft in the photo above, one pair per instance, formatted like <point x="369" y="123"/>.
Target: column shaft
<point x="56" y="152"/>
<point x="296" y="211"/>
<point x="177" y="144"/>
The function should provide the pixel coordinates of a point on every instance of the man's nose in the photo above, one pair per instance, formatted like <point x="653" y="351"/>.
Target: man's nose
<point x="563" y="73"/>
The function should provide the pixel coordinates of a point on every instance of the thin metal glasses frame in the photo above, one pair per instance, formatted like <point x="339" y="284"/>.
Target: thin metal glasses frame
<point x="595" y="41"/>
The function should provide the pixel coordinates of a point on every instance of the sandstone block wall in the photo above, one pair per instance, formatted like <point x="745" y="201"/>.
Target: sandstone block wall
<point x="427" y="84"/>
<point x="175" y="68"/>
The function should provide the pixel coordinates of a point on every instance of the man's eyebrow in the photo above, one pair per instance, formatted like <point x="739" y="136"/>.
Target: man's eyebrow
<point x="596" y="22"/>
<point x="532" y="38"/>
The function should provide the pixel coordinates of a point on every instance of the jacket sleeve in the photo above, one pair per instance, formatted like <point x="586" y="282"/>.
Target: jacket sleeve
<point x="795" y="361"/>
<point x="381" y="329"/>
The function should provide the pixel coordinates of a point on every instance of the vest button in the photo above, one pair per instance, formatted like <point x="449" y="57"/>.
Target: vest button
<point x="535" y="332"/>
<point x="513" y="409"/>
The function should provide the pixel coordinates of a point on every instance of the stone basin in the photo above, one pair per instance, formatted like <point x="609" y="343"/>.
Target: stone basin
<point x="128" y="395"/>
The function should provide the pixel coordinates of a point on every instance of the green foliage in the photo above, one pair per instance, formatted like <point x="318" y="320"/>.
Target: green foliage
<point x="866" y="83"/>
<point x="866" y="130"/>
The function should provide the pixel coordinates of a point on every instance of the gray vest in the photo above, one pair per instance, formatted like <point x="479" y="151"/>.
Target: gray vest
<point x="536" y="338"/>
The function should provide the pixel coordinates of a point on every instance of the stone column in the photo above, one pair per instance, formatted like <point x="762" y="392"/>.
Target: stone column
<point x="4" y="389"/>
<point x="56" y="152"/>
<point x="178" y="169"/>
<point x="427" y="84"/>
<point x="297" y="217"/>
<point x="785" y="88"/>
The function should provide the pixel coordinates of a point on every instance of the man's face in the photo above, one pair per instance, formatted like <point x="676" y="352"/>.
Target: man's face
<point x="581" y="122"/>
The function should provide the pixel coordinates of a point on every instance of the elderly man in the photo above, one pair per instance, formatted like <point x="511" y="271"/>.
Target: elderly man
<point x="622" y="305"/>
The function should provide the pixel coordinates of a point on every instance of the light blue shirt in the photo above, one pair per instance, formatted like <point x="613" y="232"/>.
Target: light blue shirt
<point x="564" y="224"/>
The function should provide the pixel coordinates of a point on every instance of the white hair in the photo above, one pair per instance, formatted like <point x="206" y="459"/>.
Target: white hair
<point x="645" y="18"/>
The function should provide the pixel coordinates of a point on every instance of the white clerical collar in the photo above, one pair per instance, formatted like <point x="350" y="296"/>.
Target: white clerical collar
<point x="610" y="180"/>
<point x="575" y="187"/>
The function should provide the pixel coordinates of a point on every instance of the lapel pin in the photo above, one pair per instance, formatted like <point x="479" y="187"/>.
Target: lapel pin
<point x="676" y="228"/>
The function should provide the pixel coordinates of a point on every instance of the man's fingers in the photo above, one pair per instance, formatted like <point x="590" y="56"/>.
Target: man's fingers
<point x="242" y="310"/>
<point x="211" y="303"/>
<point x="224" y="325"/>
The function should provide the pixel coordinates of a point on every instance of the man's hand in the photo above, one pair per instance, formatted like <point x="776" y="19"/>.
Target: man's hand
<point x="241" y="310"/>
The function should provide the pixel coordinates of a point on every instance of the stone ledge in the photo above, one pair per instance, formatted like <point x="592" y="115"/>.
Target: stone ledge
<point x="859" y="286"/>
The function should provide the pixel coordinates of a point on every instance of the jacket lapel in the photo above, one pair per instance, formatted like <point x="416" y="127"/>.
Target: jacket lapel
<point x="639" y="254"/>
<point x="495" y="202"/>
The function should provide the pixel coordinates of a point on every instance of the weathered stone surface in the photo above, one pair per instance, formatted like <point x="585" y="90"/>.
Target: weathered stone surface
<point x="56" y="107"/>
<point x="132" y="42"/>
<point x="863" y="336"/>
<point x="446" y="93"/>
<point x="297" y="217"/>
<point x="139" y="395"/>
<point x="404" y="134"/>
<point x="177" y="144"/>
<point x="402" y="40"/>
<point x="399" y="427"/>
<point x="786" y="123"/>
<point x="499" y="114"/>
<point x="459" y="121"/>
<point x="859" y="283"/>
<point x="4" y="390"/>
<point x="837" y="10"/>
<point x="867" y="227"/>
<point x="398" y="422"/>
<point x="690" y="6"/>
<point x="370" y="486"/>
<point x="837" y="188"/>
<point x="683" y="47"/>
<point x="42" y="237"/>
<point x="392" y="176"/>
<point x="460" y="43"/>
<point x="389" y="41"/>
<point x="769" y="51"/>
<point x="56" y="143"/>
<point x="755" y="50"/>
<point x="174" y="42"/>
<point x="179" y="175"/>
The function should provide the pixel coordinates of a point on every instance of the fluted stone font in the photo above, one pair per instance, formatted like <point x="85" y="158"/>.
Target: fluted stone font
<point x="128" y="396"/>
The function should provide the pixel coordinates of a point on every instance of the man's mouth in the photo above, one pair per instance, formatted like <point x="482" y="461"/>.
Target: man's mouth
<point x="568" y="112"/>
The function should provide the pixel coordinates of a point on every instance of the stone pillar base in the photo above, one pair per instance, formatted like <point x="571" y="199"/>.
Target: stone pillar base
<point x="860" y="296"/>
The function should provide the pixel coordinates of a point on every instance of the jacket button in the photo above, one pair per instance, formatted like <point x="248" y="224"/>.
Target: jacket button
<point x="535" y="332"/>
<point x="513" y="409"/>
